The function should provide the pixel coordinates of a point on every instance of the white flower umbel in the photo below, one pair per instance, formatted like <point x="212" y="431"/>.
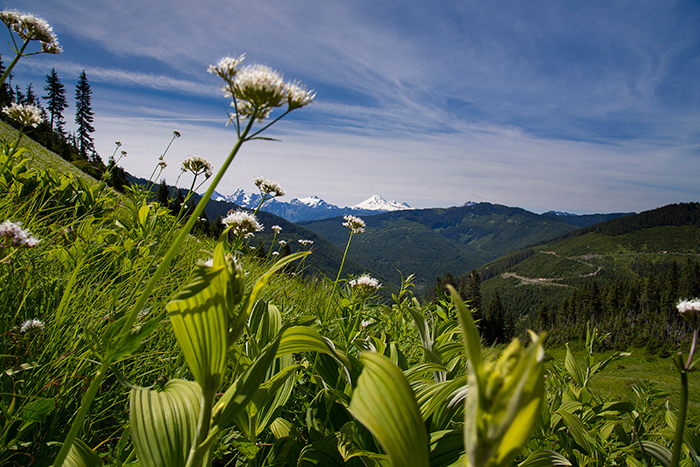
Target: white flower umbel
<point x="32" y="325"/>
<point x="269" y="188"/>
<point x="305" y="243"/>
<point x="298" y="96"/>
<point x="31" y="28"/>
<point x="226" y="68"/>
<point x="25" y="114"/>
<point x="241" y="223"/>
<point x="690" y="311"/>
<point x="354" y="223"/>
<point x="365" y="283"/>
<point x="197" y="165"/>
<point x="276" y="228"/>
<point x="13" y="235"/>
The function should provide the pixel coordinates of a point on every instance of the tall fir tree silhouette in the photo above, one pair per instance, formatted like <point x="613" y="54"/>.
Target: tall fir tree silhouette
<point x="84" y="117"/>
<point x="56" y="97"/>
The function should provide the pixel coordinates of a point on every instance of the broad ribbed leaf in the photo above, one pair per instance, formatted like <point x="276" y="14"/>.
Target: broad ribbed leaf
<point x="200" y="321"/>
<point x="573" y="367"/>
<point x="544" y="458"/>
<point x="384" y="402"/>
<point x="577" y="431"/>
<point x="658" y="452"/>
<point x="242" y="391"/>
<point x="304" y="339"/>
<point x="164" y="423"/>
<point x="470" y="334"/>
<point x="80" y="455"/>
<point x="447" y="448"/>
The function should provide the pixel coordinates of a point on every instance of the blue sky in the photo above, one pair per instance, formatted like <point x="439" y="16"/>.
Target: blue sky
<point x="578" y="106"/>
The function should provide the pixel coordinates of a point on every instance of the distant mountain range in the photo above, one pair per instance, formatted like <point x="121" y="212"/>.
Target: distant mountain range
<point x="311" y="208"/>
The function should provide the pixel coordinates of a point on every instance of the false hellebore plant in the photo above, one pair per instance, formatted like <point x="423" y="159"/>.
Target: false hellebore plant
<point x="178" y="426"/>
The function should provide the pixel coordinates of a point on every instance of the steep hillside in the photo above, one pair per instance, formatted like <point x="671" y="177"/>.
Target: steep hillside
<point x="431" y="242"/>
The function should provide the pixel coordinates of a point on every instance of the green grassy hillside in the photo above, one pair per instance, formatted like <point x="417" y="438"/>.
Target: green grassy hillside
<point x="431" y="242"/>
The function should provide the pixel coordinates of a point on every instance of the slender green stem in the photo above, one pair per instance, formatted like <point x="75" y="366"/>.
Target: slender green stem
<point x="13" y="62"/>
<point x="680" y="422"/>
<point x="197" y="454"/>
<point x="82" y="413"/>
<point x="347" y="247"/>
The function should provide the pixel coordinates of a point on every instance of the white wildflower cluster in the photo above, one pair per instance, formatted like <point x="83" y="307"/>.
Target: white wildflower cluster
<point x="354" y="223"/>
<point x="690" y="311"/>
<point x="365" y="283"/>
<point x="197" y="165"/>
<point x="26" y="114"/>
<point x="269" y="187"/>
<point x="282" y="242"/>
<point x="32" y="325"/>
<point x="242" y="223"/>
<point x="277" y="229"/>
<point x="257" y="89"/>
<point x="12" y="234"/>
<point x="305" y="243"/>
<point x="31" y="28"/>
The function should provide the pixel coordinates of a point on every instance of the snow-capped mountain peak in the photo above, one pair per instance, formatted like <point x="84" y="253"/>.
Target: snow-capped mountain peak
<point x="377" y="203"/>
<point x="310" y="201"/>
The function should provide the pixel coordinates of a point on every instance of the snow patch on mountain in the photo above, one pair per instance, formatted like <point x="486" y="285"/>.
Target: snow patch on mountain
<point x="377" y="203"/>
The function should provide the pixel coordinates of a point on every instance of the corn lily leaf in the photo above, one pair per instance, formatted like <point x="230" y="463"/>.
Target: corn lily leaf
<point x="297" y="339"/>
<point x="199" y="317"/>
<point x="164" y="423"/>
<point x="544" y="458"/>
<point x="384" y="402"/>
<point x="80" y="455"/>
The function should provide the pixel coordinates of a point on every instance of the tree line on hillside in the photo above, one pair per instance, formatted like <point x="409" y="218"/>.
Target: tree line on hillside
<point x="639" y="312"/>
<point x="76" y="147"/>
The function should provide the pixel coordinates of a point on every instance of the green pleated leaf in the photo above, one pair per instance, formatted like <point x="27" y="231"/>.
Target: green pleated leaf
<point x="544" y="458"/>
<point x="573" y="367"/>
<point x="242" y="391"/>
<point x="320" y="453"/>
<point x="577" y="431"/>
<point x="658" y="452"/>
<point x="384" y="402"/>
<point x="447" y="448"/>
<point x="200" y="321"/>
<point x="80" y="455"/>
<point x="298" y="339"/>
<point x="470" y="333"/>
<point x="164" y="423"/>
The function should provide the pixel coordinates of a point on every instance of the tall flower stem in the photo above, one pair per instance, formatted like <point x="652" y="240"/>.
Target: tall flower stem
<point x="347" y="247"/>
<point x="13" y="62"/>
<point x="682" y="410"/>
<point x="143" y="298"/>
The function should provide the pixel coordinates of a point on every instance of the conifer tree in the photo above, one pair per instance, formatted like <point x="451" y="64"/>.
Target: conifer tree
<point x="6" y="95"/>
<point x="163" y="194"/>
<point x="84" y="117"/>
<point x="56" y="97"/>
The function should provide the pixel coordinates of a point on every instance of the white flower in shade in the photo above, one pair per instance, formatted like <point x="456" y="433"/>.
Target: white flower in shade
<point x="282" y="242"/>
<point x="276" y="228"/>
<point x="275" y="253"/>
<point x="242" y="223"/>
<point x="298" y="95"/>
<point x="269" y="187"/>
<point x="32" y="325"/>
<point x="690" y="311"/>
<point x="197" y="165"/>
<point x="354" y="223"/>
<point x="365" y="283"/>
<point x="26" y="114"/>
<point x="365" y="323"/>
<point x="12" y="234"/>
<point x="31" y="28"/>
<point x="305" y="243"/>
<point x="227" y="67"/>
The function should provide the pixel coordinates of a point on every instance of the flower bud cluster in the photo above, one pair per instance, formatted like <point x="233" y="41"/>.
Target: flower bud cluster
<point x="257" y="89"/>
<point x="354" y="223"/>
<point x="365" y="283"/>
<point x="32" y="325"/>
<point x="269" y="187"/>
<point x="197" y="165"/>
<point x="241" y="223"/>
<point x="31" y="28"/>
<point x="690" y="311"/>
<point x="26" y="114"/>
<point x="12" y="234"/>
